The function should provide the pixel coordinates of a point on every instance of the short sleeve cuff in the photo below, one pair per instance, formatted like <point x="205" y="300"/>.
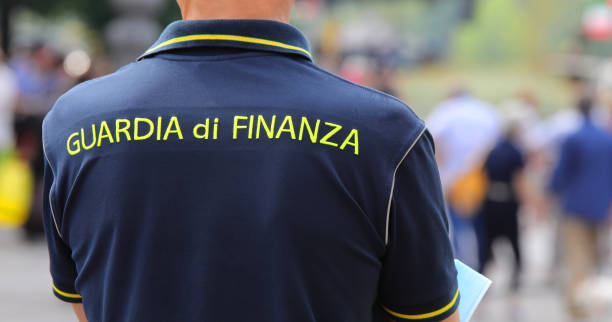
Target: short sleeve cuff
<point x="434" y="313"/>
<point x="67" y="295"/>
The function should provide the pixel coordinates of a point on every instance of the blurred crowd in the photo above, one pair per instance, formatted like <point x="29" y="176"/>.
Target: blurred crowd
<point x="504" y="167"/>
<point x="30" y="83"/>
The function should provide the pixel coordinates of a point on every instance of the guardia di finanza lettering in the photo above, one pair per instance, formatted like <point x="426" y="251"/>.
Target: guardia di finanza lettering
<point x="252" y="127"/>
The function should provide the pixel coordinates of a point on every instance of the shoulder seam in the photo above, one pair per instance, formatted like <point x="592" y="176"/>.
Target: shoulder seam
<point x="418" y="137"/>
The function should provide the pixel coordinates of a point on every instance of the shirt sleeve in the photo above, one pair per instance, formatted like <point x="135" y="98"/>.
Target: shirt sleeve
<point x="63" y="269"/>
<point x="418" y="279"/>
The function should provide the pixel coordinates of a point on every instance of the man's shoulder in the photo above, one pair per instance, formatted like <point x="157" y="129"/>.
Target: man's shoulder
<point x="90" y="96"/>
<point x="363" y="101"/>
<point x="393" y="124"/>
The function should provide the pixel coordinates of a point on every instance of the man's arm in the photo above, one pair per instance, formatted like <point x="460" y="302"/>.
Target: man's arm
<point x="418" y="279"/>
<point x="453" y="318"/>
<point x="63" y="268"/>
<point x="80" y="312"/>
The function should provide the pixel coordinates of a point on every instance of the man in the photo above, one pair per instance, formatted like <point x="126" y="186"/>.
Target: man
<point x="583" y="182"/>
<point x="465" y="129"/>
<point x="498" y="215"/>
<point x="224" y="177"/>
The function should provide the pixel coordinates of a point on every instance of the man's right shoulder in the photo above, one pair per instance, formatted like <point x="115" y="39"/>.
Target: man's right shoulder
<point x="95" y="92"/>
<point x="85" y="100"/>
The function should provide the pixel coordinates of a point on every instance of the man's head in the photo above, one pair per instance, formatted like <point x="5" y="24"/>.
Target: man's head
<point x="585" y="104"/>
<point x="279" y="10"/>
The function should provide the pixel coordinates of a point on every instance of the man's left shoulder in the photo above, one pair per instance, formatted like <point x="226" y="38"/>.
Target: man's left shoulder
<point x="383" y="113"/>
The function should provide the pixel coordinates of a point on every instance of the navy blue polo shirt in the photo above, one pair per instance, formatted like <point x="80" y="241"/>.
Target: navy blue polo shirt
<point x="225" y="177"/>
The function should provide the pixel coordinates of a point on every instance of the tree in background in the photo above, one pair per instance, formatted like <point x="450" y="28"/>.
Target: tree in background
<point x="95" y="14"/>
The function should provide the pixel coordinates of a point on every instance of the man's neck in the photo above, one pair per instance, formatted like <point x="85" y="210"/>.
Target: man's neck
<point x="236" y="9"/>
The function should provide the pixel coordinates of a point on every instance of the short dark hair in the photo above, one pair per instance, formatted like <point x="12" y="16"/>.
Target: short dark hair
<point x="585" y="104"/>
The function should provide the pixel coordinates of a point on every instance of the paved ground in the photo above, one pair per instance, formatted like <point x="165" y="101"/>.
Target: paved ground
<point x="25" y="294"/>
<point x="25" y="283"/>
<point x="541" y="296"/>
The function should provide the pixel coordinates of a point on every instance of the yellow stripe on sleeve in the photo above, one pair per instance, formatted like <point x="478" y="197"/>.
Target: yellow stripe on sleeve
<point x="230" y="38"/>
<point x="65" y="294"/>
<point x="425" y="315"/>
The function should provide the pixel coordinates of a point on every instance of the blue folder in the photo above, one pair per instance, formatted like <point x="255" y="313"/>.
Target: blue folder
<point x="472" y="287"/>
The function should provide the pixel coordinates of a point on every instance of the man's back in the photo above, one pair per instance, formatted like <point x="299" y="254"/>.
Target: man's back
<point x="225" y="180"/>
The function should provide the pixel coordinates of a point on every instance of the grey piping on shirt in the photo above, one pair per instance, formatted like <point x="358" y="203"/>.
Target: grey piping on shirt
<point x="393" y="182"/>
<point x="50" y="203"/>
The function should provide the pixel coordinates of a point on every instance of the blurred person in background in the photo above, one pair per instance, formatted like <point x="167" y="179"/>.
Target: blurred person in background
<point x="567" y="119"/>
<point x="498" y="217"/>
<point x="8" y="99"/>
<point x="528" y="136"/>
<point x="522" y="112"/>
<point x="41" y="81"/>
<point x="543" y="157"/>
<point x="357" y="69"/>
<point x="15" y="182"/>
<point x="604" y="91"/>
<point x="465" y="129"/>
<point x="385" y="79"/>
<point x="582" y="180"/>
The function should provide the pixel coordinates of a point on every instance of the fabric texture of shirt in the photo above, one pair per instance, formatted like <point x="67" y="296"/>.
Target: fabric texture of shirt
<point x="583" y="176"/>
<point x="224" y="177"/>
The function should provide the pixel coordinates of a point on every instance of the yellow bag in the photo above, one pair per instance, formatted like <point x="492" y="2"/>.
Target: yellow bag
<point x="468" y="193"/>
<point x="16" y="186"/>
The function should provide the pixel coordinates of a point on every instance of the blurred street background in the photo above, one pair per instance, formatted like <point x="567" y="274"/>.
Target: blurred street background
<point x="517" y="94"/>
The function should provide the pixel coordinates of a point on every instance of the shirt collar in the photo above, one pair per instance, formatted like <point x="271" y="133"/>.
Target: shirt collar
<point x="263" y="35"/>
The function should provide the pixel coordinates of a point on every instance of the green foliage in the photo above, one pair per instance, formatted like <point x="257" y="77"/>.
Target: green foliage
<point x="169" y="13"/>
<point x="500" y="31"/>
<point x="510" y="30"/>
<point x="95" y="13"/>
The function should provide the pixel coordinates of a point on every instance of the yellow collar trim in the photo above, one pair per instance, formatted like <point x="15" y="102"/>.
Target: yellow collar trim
<point x="251" y="40"/>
